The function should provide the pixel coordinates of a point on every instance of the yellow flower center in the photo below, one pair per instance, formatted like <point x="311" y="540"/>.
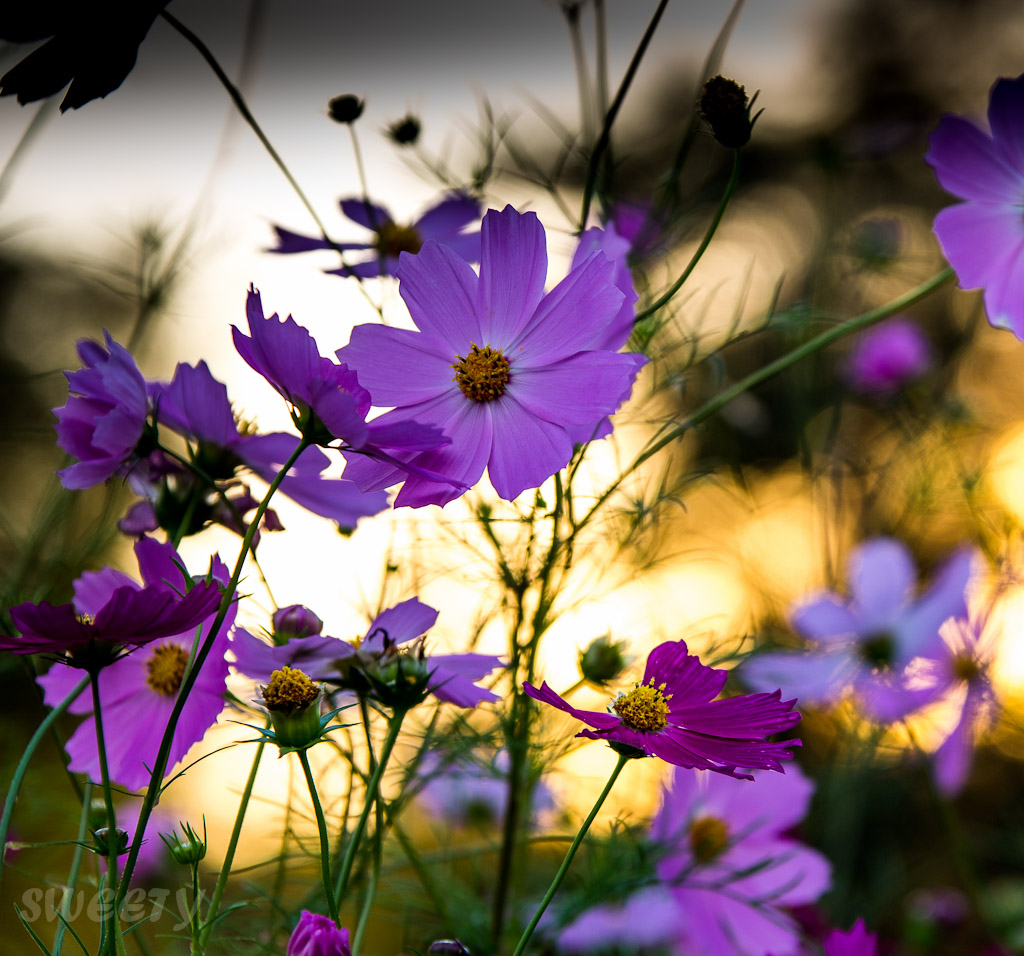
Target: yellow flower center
<point x="482" y="373"/>
<point x="166" y="669"/>
<point x="393" y="239"/>
<point x="289" y="690"/>
<point x="708" y="838"/>
<point x="86" y="619"/>
<point x="966" y="667"/>
<point x="644" y="708"/>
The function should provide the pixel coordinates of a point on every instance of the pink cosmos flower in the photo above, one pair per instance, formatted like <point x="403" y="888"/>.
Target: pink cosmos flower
<point x="316" y="935"/>
<point x="673" y="715"/>
<point x="888" y="356"/>
<point x="983" y="237"/>
<point x="507" y="371"/>
<point x="857" y="942"/>
<point x="137" y="692"/>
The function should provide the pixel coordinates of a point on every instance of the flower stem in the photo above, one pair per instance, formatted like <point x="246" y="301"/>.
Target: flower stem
<point x="114" y="932"/>
<point x="570" y="853"/>
<point x="372" y="788"/>
<point x="325" y="842"/>
<point x="76" y="866"/>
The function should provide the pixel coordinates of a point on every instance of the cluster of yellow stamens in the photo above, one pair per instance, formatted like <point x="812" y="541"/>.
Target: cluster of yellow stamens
<point x="482" y="373"/>
<point x="289" y="690"/>
<point x="166" y="669"/>
<point x="86" y="619"/>
<point x="708" y="838"/>
<point x="643" y="708"/>
<point x="393" y="239"/>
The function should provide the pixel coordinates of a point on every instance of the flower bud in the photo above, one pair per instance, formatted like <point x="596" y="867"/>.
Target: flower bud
<point x="723" y="103"/>
<point x="406" y="131"/>
<point x="399" y="678"/>
<point x="345" y="109"/>
<point x="603" y="660"/>
<point x="105" y="840"/>
<point x="317" y="935"/>
<point x="447" y="947"/>
<point x="294" y="621"/>
<point x="187" y="851"/>
<point x="293" y="702"/>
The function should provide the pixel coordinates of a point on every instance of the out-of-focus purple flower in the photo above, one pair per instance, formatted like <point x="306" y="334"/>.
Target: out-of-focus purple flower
<point x="196" y="405"/>
<point x="137" y="692"/>
<point x="647" y="919"/>
<point x="104" y="418"/>
<point x="153" y="856"/>
<point x="983" y="238"/>
<point x="444" y="223"/>
<point x="865" y="642"/>
<point x="452" y="676"/>
<point x="639" y="225"/>
<point x="316" y="935"/>
<point x="507" y="371"/>
<point x="673" y="715"/>
<point x="121" y="614"/>
<point x="857" y="942"/>
<point x="888" y="356"/>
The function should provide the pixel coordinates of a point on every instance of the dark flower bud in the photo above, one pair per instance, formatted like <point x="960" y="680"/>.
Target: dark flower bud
<point x="723" y="103"/>
<point x="406" y="131"/>
<point x="295" y="621"/>
<point x="187" y="849"/>
<point x="106" y="841"/>
<point x="447" y="947"/>
<point x="345" y="109"/>
<point x="603" y="660"/>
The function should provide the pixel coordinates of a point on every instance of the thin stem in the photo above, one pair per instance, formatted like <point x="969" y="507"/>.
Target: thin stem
<point x="601" y="55"/>
<point x="371" y="890"/>
<point x="160" y="765"/>
<point x="114" y="932"/>
<point x="229" y="856"/>
<point x="667" y="296"/>
<point x="26" y="758"/>
<point x="372" y="788"/>
<point x="570" y="853"/>
<point x="579" y="58"/>
<point x="76" y="866"/>
<point x="325" y="840"/>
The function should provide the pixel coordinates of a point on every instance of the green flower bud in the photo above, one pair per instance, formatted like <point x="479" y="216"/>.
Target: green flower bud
<point x="105" y="840"/>
<point x="345" y="109"/>
<point x="603" y="660"/>
<point x="188" y="849"/>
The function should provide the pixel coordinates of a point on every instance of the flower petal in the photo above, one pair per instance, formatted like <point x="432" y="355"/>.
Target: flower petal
<point x="968" y="163"/>
<point x="399" y="366"/>
<point x="881" y="576"/>
<point x="594" y="718"/>
<point x="448" y="217"/>
<point x="980" y="240"/>
<point x="1006" y="117"/>
<point x="441" y="290"/>
<point x="367" y="214"/>
<point x="526" y="450"/>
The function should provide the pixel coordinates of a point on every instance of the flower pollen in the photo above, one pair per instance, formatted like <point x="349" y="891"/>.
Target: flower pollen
<point x="708" y="838"/>
<point x="166" y="669"/>
<point x="644" y="708"/>
<point x="393" y="239"/>
<point x="482" y="374"/>
<point x="289" y="690"/>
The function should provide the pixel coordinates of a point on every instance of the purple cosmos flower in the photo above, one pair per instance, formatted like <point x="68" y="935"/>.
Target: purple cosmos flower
<point x="104" y="418"/>
<point x="866" y="641"/>
<point x="443" y="223"/>
<point x="137" y="692"/>
<point x="123" y="614"/>
<point x="983" y="238"/>
<point x="196" y="405"/>
<point x="727" y="869"/>
<point x="507" y="371"/>
<point x="857" y="942"/>
<point x="888" y="356"/>
<point x="316" y="935"/>
<point x="452" y="676"/>
<point x="673" y="714"/>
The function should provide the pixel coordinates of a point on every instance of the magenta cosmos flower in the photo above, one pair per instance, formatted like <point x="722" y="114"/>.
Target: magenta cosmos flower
<point x="865" y="642"/>
<point x="857" y="942"/>
<point x="452" y="676"/>
<point x="887" y="357"/>
<point x="125" y="614"/>
<point x="507" y="371"/>
<point x="316" y="935"/>
<point x="104" y="418"/>
<point x="673" y="715"/>
<point x="983" y="238"/>
<point x="137" y="692"/>
<point x="444" y="223"/>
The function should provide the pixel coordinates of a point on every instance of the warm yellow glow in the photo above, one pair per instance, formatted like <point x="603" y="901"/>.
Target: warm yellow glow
<point x="1006" y="471"/>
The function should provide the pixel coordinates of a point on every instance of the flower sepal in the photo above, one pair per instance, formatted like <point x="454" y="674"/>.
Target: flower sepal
<point x="625" y="750"/>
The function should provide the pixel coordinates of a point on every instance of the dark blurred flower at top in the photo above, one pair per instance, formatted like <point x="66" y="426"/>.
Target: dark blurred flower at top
<point x="875" y="242"/>
<point x="405" y="131"/>
<point x="724" y="105"/>
<point x="983" y="238"/>
<point x="316" y="935"/>
<point x="443" y="222"/>
<point x="92" y="46"/>
<point x="857" y="942"/>
<point x="888" y="356"/>
<point x="345" y="109"/>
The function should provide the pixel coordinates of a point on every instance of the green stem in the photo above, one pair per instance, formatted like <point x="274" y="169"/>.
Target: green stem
<point x="114" y="932"/>
<point x="570" y="853"/>
<point x="76" y="866"/>
<point x="325" y="841"/>
<point x="371" y="890"/>
<point x="160" y="765"/>
<point x="229" y="856"/>
<point x="668" y="295"/>
<point x="26" y="758"/>
<point x="372" y="788"/>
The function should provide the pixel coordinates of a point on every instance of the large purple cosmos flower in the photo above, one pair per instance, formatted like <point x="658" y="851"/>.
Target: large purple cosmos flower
<point x="443" y="223"/>
<point x="452" y="676"/>
<point x="888" y="356"/>
<point x="673" y="715"/>
<point x="316" y="935"/>
<point x="196" y="405"/>
<point x="137" y="692"/>
<point x="857" y="942"/>
<point x="104" y="418"/>
<point x="123" y="614"/>
<point x="983" y="238"/>
<point x="727" y="867"/>
<point x="865" y="642"/>
<point x="507" y="371"/>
